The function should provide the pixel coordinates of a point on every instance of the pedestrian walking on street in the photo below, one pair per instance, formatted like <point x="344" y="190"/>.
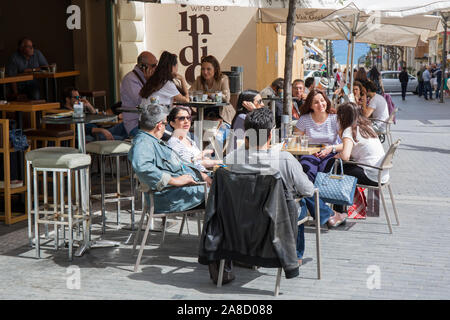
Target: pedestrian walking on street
<point x="438" y="74"/>
<point x="420" y="80"/>
<point x="403" y="77"/>
<point x="426" y="75"/>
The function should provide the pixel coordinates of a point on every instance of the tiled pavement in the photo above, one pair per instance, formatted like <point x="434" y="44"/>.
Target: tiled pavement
<point x="412" y="263"/>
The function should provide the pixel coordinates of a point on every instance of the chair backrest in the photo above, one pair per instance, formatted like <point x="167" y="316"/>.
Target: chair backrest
<point x="387" y="161"/>
<point x="391" y="118"/>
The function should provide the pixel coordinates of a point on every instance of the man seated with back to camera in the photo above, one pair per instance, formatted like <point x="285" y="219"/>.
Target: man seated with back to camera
<point x="259" y="156"/>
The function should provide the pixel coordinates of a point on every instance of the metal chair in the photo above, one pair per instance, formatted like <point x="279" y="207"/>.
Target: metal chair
<point x="149" y="213"/>
<point x="383" y="134"/>
<point x="385" y="165"/>
<point x="300" y="222"/>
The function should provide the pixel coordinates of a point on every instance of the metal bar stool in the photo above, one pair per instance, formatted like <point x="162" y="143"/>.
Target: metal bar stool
<point x="104" y="150"/>
<point x="65" y="214"/>
<point x="29" y="157"/>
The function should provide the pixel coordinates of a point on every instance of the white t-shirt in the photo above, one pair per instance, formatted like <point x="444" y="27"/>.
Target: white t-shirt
<point x="185" y="152"/>
<point x="379" y="104"/>
<point x="325" y="133"/>
<point x="164" y="95"/>
<point x="367" y="151"/>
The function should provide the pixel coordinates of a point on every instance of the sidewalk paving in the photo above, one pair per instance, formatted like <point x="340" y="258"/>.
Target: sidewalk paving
<point x="412" y="263"/>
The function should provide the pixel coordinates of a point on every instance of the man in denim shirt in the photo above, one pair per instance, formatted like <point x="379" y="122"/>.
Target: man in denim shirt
<point x="26" y="59"/>
<point x="158" y="166"/>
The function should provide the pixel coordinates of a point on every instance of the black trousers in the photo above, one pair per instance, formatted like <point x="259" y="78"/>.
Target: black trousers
<point x="358" y="172"/>
<point x="404" y="86"/>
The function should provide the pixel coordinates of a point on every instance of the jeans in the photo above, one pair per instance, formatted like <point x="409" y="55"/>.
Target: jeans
<point x="119" y="132"/>
<point x="426" y="89"/>
<point x="438" y="88"/>
<point x="308" y="204"/>
<point x="420" y="88"/>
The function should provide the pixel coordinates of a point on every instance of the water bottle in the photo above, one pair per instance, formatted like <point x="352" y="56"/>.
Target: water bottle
<point x="281" y="93"/>
<point x="284" y="128"/>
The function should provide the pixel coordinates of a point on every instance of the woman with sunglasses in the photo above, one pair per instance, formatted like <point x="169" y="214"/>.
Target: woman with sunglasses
<point x="211" y="80"/>
<point x="161" y="86"/>
<point x="179" y="119"/>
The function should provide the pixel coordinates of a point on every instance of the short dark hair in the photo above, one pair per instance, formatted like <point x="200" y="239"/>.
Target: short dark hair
<point x="67" y="93"/>
<point x="260" y="120"/>
<point x="174" y="112"/>
<point x="371" y="86"/>
<point x="21" y="41"/>
<point x="309" y="81"/>
<point x="278" y="83"/>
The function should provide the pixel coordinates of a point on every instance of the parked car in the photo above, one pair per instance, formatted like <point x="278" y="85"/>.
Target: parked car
<point x="317" y="74"/>
<point x="392" y="84"/>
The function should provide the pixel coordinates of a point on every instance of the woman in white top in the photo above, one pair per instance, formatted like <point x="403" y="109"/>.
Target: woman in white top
<point x="320" y="125"/>
<point x="161" y="86"/>
<point x="179" y="119"/>
<point x="361" y="144"/>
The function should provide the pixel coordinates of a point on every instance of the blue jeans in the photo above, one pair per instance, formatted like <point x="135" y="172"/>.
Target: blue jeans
<point x="308" y="204"/>
<point x="427" y="88"/>
<point x="119" y="132"/>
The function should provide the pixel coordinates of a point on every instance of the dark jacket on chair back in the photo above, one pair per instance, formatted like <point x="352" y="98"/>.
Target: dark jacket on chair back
<point x="249" y="220"/>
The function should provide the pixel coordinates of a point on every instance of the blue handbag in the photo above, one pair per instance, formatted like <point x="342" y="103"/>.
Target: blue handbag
<point x="17" y="138"/>
<point x="336" y="188"/>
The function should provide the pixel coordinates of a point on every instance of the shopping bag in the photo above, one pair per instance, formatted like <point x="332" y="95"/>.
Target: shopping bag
<point x="359" y="208"/>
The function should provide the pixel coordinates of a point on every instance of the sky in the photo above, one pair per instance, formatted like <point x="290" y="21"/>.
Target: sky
<point x="340" y="51"/>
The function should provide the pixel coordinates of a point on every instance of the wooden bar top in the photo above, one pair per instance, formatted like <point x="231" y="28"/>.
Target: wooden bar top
<point x="19" y="78"/>
<point x="28" y="106"/>
<point x="60" y="74"/>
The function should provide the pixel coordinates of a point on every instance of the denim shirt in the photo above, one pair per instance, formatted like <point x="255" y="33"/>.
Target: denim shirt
<point x="155" y="163"/>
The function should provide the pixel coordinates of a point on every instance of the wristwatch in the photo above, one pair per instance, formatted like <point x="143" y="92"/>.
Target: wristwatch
<point x="333" y="149"/>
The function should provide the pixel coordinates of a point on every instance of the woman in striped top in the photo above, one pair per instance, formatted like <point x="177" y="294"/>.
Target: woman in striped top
<point x="179" y="119"/>
<point x="321" y="126"/>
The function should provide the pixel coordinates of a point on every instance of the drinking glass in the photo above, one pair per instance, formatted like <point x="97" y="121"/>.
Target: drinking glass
<point x="304" y="142"/>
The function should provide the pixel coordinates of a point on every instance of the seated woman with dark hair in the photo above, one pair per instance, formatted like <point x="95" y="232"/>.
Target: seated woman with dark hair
<point x="248" y="101"/>
<point x="320" y="125"/>
<point x="180" y="119"/>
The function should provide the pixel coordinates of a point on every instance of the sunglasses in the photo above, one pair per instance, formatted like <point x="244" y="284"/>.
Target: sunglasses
<point x="182" y="118"/>
<point x="259" y="101"/>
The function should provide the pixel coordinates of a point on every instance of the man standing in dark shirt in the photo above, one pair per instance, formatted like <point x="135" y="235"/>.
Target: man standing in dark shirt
<point x="403" y="77"/>
<point x="26" y="59"/>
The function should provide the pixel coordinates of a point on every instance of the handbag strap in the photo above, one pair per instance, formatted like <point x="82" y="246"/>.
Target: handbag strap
<point x="341" y="165"/>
